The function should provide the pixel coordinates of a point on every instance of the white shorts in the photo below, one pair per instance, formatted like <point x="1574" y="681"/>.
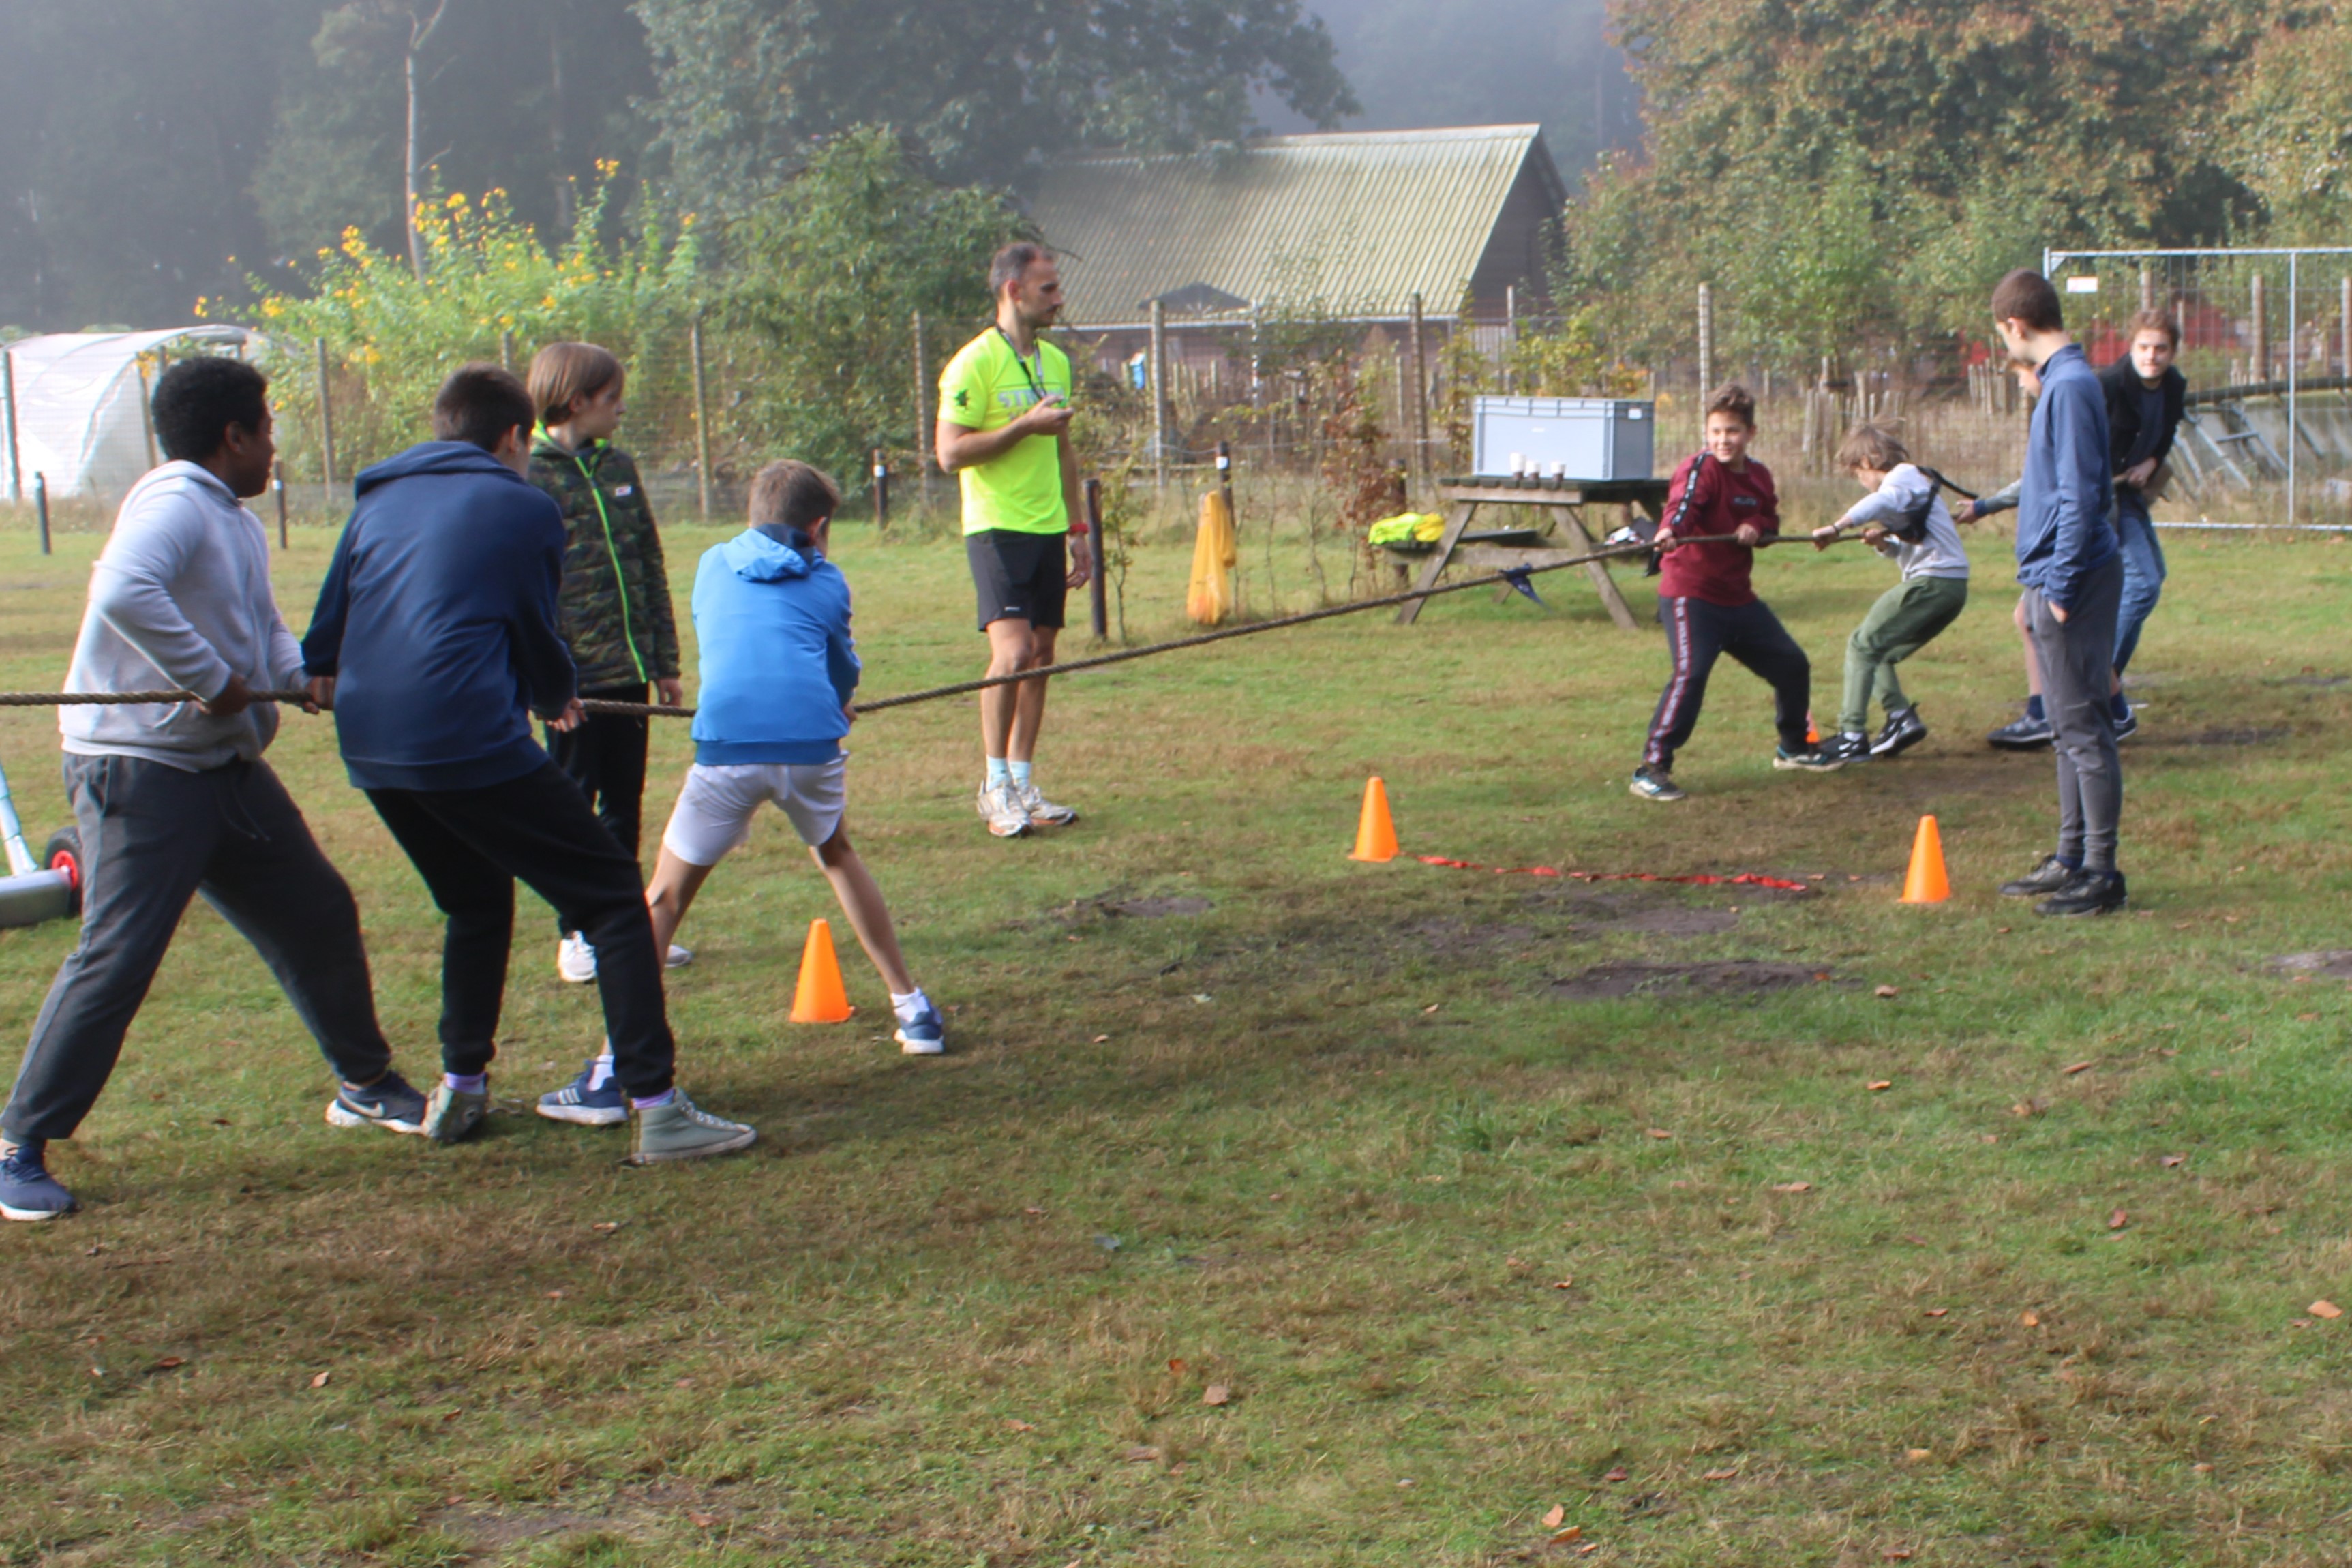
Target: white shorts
<point x="714" y="811"/>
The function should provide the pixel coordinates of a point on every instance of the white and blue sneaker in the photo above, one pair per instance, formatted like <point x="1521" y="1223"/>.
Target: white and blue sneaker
<point x="925" y="1034"/>
<point x="585" y="1103"/>
<point x="391" y="1102"/>
<point x="575" y="958"/>
<point x="28" y="1191"/>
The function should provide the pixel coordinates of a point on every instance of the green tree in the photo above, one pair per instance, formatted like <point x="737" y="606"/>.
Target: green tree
<point x="828" y="273"/>
<point x="979" y="89"/>
<point x="2290" y="127"/>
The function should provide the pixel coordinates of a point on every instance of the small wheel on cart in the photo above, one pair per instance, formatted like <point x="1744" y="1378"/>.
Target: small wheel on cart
<point x="63" y="853"/>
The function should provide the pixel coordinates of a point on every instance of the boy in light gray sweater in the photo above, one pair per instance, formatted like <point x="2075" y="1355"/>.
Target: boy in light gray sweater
<point x="174" y="800"/>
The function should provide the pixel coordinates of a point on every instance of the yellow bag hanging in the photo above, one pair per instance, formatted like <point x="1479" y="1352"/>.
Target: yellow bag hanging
<point x="1215" y="552"/>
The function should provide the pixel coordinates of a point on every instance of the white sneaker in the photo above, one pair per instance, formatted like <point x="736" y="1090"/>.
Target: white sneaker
<point x="1001" y="809"/>
<point x="575" y="958"/>
<point x="1043" y="812"/>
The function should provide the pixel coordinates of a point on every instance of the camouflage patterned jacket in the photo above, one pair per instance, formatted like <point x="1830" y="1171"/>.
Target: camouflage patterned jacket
<point x="615" y="608"/>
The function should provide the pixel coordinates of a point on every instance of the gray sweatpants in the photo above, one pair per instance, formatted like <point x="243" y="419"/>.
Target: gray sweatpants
<point x="2077" y="666"/>
<point x="153" y="837"/>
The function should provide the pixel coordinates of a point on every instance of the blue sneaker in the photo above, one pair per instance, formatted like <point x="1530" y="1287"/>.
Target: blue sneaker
<point x="584" y="1107"/>
<point x="924" y="1035"/>
<point x="28" y="1191"/>
<point x="391" y="1102"/>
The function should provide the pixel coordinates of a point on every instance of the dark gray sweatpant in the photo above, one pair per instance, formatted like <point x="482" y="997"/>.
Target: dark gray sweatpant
<point x="153" y="837"/>
<point x="2077" y="667"/>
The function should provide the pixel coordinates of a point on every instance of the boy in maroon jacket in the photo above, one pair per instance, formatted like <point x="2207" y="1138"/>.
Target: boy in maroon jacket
<point x="1720" y="505"/>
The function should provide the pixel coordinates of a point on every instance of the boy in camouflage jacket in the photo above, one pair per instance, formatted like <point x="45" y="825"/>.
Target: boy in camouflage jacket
<point x="615" y="605"/>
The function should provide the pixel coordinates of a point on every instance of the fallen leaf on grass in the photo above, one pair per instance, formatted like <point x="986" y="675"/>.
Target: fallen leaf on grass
<point x="1916" y="1455"/>
<point x="1176" y="1363"/>
<point x="168" y="1362"/>
<point x="1552" y="1519"/>
<point x="1142" y="1454"/>
<point x="1878" y="1083"/>
<point x="1015" y="1425"/>
<point x="2168" y="1161"/>
<point x="2327" y="1309"/>
<point x="1940" y="1312"/>
<point x="607" y="1227"/>
<point x="703" y="1520"/>
<point x="2306" y="1017"/>
<point x="1885" y="991"/>
<point x="2001" y="931"/>
<point x="1102" y="1039"/>
<point x="1731" y="1474"/>
<point x="1573" y="1533"/>
<point x="1569" y="1284"/>
<point x="1587" y="1549"/>
<point x="2032" y="1320"/>
<point x="2080" y="1067"/>
<point x="555" y="1295"/>
<point x="2117" y="1220"/>
<point x="1430" y="1008"/>
<point x="320" y="1381"/>
<point x="451" y="1414"/>
<point x="1618" y="1474"/>
<point x="1895" y="1554"/>
<point x="1032" y="1209"/>
<point x="2029" y="1107"/>
<point x="1216" y="1394"/>
<point x="1659" y="1133"/>
<point x="1792" y="1187"/>
<point x="1404" y="1483"/>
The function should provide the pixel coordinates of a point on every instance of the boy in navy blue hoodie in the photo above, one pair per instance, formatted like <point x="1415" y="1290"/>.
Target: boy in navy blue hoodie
<point x="778" y="670"/>
<point x="434" y="641"/>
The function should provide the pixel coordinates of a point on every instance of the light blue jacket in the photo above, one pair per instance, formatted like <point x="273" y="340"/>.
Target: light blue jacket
<point x="777" y="660"/>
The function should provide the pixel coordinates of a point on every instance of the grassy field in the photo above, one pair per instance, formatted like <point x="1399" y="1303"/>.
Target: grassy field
<point x="1851" y="1233"/>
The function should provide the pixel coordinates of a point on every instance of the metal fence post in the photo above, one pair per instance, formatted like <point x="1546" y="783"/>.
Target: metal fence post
<point x="1159" y="395"/>
<point x="2258" y="368"/>
<point x="326" y="425"/>
<point x="881" y="492"/>
<point x="41" y="505"/>
<point x="506" y="351"/>
<point x="277" y="483"/>
<point x="701" y="419"/>
<point x="1420" y="394"/>
<point x="1705" y="338"/>
<point x="2294" y="375"/>
<point x="15" y="467"/>
<point x="922" y="424"/>
<point x="1097" y="605"/>
<point x="147" y="412"/>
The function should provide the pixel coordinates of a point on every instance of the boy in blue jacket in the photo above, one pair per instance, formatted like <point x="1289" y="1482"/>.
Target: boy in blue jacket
<point x="434" y="641"/>
<point x="778" y="670"/>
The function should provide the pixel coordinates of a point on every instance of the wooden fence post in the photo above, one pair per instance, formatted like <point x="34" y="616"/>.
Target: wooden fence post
<point x="1160" y="396"/>
<point x="1420" y="394"/>
<point x="326" y="424"/>
<point x="922" y="425"/>
<point x="701" y="417"/>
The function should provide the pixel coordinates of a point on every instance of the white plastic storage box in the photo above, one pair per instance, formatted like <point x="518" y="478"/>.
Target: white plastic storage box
<point x="1569" y="437"/>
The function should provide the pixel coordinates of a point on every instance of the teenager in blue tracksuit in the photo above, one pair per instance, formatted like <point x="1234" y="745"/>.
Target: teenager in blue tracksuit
<point x="434" y="641"/>
<point x="2068" y="560"/>
<point x="778" y="670"/>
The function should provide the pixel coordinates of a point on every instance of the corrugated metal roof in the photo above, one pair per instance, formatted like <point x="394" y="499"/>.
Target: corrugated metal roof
<point x="1364" y="219"/>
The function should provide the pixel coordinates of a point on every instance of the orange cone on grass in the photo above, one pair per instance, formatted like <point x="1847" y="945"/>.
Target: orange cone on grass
<point x="1925" y="883"/>
<point x="821" y="998"/>
<point x="1375" y="830"/>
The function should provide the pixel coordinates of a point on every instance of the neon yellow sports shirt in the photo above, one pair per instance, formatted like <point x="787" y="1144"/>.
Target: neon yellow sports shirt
<point x="985" y="387"/>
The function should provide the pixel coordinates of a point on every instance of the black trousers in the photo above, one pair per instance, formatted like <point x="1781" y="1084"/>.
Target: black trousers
<point x="152" y="837"/>
<point x="1699" y="633"/>
<point x="471" y="846"/>
<point x="605" y="756"/>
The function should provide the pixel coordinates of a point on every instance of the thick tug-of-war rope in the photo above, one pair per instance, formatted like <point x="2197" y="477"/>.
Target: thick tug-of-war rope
<point x="1512" y="577"/>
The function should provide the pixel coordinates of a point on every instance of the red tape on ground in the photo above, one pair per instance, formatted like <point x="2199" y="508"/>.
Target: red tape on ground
<point x="1745" y="879"/>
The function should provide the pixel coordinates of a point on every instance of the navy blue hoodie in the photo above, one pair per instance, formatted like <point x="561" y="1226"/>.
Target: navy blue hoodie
<point x="2065" y="529"/>
<point x="438" y="621"/>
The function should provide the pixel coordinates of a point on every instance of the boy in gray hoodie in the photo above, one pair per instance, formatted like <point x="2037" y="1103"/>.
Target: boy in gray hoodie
<point x="172" y="798"/>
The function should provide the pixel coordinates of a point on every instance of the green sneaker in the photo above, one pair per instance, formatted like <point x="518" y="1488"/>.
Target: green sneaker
<point x="679" y="1131"/>
<point x="452" y="1114"/>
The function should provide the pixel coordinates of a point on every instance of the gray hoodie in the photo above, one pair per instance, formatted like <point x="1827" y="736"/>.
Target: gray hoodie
<point x="179" y="598"/>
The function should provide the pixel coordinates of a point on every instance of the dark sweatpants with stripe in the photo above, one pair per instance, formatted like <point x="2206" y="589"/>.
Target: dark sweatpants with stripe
<point x="1699" y="633"/>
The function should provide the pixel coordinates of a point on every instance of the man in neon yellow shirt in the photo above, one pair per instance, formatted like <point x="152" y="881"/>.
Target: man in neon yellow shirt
<point x="1005" y="431"/>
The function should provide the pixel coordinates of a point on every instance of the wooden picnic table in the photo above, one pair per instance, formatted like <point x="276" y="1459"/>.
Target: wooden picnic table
<point x="1562" y="502"/>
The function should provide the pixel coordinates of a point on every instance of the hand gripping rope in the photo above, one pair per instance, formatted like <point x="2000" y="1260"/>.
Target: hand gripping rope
<point x="1518" y="578"/>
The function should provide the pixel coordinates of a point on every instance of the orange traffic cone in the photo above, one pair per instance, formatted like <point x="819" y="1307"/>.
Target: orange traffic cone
<point x="1375" y="832"/>
<point x="821" y="998"/>
<point x="1812" y="732"/>
<point x="1925" y="883"/>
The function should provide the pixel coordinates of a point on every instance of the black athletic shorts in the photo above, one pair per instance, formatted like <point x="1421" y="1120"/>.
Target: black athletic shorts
<point x="1019" y="576"/>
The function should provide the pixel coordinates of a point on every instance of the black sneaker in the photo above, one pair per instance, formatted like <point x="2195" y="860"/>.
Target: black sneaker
<point x="2027" y="734"/>
<point x="28" y="1191"/>
<point x="1847" y="748"/>
<point x="391" y="1102"/>
<point x="1655" y="784"/>
<point x="1811" y="760"/>
<point x="2047" y="877"/>
<point x="2089" y="893"/>
<point x="2128" y="725"/>
<point x="1902" y="731"/>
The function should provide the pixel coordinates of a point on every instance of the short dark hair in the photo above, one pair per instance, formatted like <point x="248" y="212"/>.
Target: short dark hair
<point x="481" y="403"/>
<point x="791" y="494"/>
<point x="561" y="371"/>
<point x="2027" y="296"/>
<point x="2156" y="322"/>
<point x="198" y="399"/>
<point x="1735" y="400"/>
<point x="1008" y="265"/>
<point x="1874" y="446"/>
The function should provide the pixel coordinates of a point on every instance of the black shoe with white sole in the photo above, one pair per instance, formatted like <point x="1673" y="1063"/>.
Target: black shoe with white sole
<point x="2026" y="735"/>
<point x="1847" y="748"/>
<point x="2042" y="881"/>
<point x="1902" y="731"/>
<point x="2089" y="893"/>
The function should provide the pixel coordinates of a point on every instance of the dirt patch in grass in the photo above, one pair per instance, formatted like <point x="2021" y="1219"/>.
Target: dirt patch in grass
<point x="1455" y="938"/>
<point x="1734" y="976"/>
<point x="2334" y="962"/>
<point x="2228" y="735"/>
<point x="1120" y="904"/>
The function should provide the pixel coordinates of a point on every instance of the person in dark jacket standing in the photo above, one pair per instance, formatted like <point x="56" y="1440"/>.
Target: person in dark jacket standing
<point x="2146" y="398"/>
<point x="435" y="640"/>
<point x="615" y="615"/>
<point x="2073" y="574"/>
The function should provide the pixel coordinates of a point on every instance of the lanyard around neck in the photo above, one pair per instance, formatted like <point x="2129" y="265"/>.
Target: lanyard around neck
<point x="1036" y="381"/>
